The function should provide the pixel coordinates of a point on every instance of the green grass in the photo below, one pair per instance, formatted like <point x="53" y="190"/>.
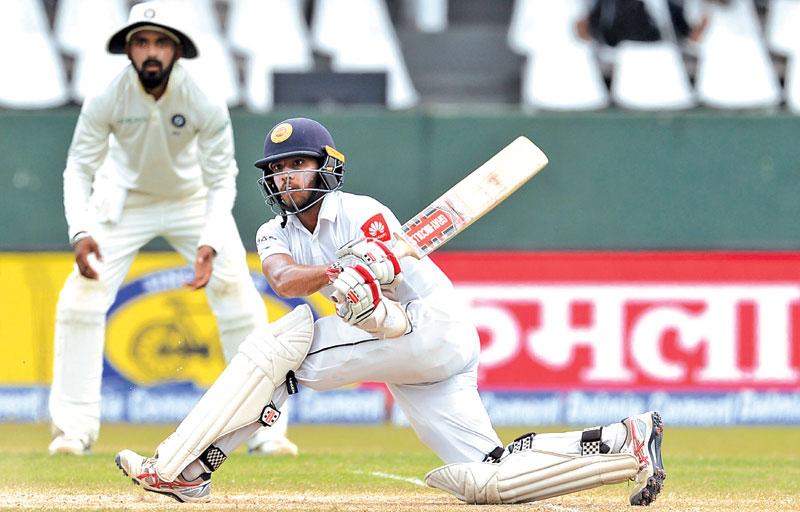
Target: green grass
<point x="729" y="466"/>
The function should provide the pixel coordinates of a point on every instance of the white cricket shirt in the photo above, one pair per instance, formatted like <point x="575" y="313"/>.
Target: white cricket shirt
<point x="173" y="147"/>
<point x="344" y="217"/>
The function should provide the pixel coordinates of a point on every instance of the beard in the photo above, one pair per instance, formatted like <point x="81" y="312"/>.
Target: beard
<point x="152" y="79"/>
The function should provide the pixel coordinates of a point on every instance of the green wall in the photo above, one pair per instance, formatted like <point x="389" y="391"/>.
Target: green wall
<point x="616" y="180"/>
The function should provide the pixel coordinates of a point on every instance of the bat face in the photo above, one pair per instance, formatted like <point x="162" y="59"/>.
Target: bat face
<point x="470" y="199"/>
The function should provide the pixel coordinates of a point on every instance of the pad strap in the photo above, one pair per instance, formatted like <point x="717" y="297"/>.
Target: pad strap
<point x="495" y="455"/>
<point x="212" y="458"/>
<point x="591" y="442"/>
<point x="523" y="442"/>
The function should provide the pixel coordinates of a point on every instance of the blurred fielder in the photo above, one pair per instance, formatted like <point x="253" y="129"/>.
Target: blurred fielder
<point x="399" y="322"/>
<point x="168" y="170"/>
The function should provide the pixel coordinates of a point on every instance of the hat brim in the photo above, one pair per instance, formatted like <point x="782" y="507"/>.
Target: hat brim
<point x="117" y="43"/>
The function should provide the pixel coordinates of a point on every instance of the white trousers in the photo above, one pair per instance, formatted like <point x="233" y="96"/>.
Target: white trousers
<point x="431" y="373"/>
<point x="83" y="303"/>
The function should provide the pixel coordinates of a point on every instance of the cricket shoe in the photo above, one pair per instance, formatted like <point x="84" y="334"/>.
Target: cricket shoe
<point x="645" y="434"/>
<point x="142" y="471"/>
<point x="279" y="446"/>
<point x="62" y="444"/>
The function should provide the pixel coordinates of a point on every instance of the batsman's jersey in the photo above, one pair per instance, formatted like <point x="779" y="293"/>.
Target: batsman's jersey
<point x="177" y="146"/>
<point x="431" y="371"/>
<point x="344" y="217"/>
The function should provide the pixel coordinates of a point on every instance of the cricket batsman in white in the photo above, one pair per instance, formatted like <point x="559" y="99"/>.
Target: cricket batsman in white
<point x="399" y="322"/>
<point x="152" y="155"/>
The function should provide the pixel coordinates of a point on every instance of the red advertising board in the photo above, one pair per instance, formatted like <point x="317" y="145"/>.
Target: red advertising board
<point x="639" y="321"/>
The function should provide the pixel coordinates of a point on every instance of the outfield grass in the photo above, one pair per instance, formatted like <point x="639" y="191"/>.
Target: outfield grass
<point x="379" y="468"/>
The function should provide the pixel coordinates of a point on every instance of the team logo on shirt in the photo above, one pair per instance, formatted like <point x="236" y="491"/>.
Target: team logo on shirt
<point x="376" y="227"/>
<point x="281" y="132"/>
<point x="178" y="120"/>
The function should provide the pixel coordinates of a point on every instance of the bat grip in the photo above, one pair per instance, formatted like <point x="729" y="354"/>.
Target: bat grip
<point x="403" y="248"/>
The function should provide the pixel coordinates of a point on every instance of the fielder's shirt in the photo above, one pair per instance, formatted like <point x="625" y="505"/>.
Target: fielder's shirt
<point x="174" y="147"/>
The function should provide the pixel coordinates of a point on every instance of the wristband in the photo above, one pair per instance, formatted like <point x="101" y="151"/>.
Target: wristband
<point x="77" y="237"/>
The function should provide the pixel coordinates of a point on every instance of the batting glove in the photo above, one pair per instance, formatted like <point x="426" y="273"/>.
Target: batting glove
<point x="377" y="256"/>
<point x="356" y="293"/>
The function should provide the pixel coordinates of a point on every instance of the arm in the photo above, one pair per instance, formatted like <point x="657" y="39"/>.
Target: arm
<point x="215" y="153"/>
<point x="86" y="153"/>
<point x="290" y="279"/>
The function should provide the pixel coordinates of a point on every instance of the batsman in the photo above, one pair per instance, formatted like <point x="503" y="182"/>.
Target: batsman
<point x="399" y="321"/>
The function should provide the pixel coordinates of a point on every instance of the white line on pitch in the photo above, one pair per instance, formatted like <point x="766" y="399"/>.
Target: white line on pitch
<point x="558" y="508"/>
<point x="390" y="476"/>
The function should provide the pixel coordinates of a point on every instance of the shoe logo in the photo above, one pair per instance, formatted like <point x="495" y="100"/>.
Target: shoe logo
<point x="638" y="441"/>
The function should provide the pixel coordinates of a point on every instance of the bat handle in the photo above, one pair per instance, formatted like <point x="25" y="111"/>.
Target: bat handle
<point x="403" y="248"/>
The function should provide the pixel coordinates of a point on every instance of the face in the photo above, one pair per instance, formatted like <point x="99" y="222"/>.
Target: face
<point x="152" y="54"/>
<point x="294" y="185"/>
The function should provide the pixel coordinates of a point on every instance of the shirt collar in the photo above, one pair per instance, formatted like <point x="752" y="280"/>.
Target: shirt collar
<point x="328" y="211"/>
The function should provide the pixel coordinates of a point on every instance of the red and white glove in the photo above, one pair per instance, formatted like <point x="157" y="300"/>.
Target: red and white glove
<point x="356" y="293"/>
<point x="377" y="256"/>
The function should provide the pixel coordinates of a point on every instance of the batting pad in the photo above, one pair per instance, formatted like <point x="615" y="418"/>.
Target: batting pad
<point x="240" y="394"/>
<point x="531" y="475"/>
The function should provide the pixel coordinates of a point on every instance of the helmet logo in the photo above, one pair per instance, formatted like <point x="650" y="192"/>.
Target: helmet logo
<point x="375" y="227"/>
<point x="150" y="13"/>
<point x="281" y="132"/>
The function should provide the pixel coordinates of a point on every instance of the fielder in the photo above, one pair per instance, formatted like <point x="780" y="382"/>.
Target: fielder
<point x="399" y="322"/>
<point x="151" y="156"/>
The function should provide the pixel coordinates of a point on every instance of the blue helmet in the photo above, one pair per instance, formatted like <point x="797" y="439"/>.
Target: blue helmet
<point x="300" y="137"/>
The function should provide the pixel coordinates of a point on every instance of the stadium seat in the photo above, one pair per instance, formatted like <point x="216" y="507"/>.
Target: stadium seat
<point x="265" y="54"/>
<point x="783" y="26"/>
<point x="214" y="68"/>
<point x="86" y="25"/>
<point x="359" y="36"/>
<point x="26" y="44"/>
<point x="793" y="83"/>
<point x="734" y="69"/>
<point x="93" y="70"/>
<point x="561" y="71"/>
<point x="429" y="15"/>
<point x="650" y="76"/>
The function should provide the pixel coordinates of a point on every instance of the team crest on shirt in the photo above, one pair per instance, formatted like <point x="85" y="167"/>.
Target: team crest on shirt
<point x="376" y="227"/>
<point x="178" y="120"/>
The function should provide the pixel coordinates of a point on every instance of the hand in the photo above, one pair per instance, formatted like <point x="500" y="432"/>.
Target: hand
<point x="377" y="256"/>
<point x="203" y="264"/>
<point x="356" y="294"/>
<point x="83" y="248"/>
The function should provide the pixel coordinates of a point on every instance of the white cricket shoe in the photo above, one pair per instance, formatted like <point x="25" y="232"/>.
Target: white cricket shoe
<point x="67" y="445"/>
<point x="278" y="446"/>
<point x="645" y="434"/>
<point x="142" y="471"/>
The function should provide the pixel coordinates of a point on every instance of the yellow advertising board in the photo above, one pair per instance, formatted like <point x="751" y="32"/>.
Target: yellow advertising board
<point x="158" y="330"/>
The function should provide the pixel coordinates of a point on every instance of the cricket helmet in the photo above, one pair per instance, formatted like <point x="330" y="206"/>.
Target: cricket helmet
<point x="300" y="137"/>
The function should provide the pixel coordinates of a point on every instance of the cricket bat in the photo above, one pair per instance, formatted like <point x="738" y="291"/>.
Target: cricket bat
<point x="470" y="199"/>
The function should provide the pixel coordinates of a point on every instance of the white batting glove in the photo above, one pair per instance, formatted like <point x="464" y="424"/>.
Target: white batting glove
<point x="377" y="256"/>
<point x="356" y="294"/>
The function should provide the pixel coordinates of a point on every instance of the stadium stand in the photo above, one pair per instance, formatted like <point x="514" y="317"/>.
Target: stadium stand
<point x="285" y="47"/>
<point x="24" y="26"/>
<point x="359" y="35"/>
<point x="81" y="28"/>
<point x="517" y="53"/>
<point x="561" y="70"/>
<point x="215" y="65"/>
<point x="734" y="69"/>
